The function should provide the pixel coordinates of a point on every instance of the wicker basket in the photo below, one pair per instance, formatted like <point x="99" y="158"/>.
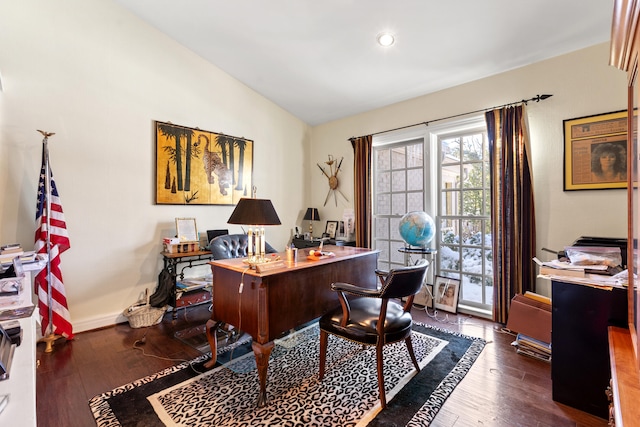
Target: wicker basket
<point x="142" y="314"/>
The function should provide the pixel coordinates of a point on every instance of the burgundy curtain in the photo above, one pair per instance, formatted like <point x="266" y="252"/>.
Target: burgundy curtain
<point x="362" y="147"/>
<point x="512" y="207"/>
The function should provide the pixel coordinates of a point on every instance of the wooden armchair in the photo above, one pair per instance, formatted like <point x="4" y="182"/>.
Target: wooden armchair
<point x="376" y="318"/>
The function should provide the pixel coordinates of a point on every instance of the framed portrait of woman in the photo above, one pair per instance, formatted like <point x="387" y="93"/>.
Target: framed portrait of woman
<point x="595" y="152"/>
<point x="445" y="294"/>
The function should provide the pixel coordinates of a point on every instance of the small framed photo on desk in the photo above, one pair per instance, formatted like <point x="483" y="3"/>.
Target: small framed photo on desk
<point x="186" y="230"/>
<point x="331" y="228"/>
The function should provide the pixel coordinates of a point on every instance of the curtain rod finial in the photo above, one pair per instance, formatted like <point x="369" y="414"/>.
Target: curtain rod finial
<point x="539" y="98"/>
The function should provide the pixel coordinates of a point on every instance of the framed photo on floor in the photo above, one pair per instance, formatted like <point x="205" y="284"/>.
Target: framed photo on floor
<point x="424" y="298"/>
<point x="446" y="291"/>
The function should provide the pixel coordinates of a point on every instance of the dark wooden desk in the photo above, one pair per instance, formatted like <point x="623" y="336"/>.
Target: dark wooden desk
<point x="272" y="303"/>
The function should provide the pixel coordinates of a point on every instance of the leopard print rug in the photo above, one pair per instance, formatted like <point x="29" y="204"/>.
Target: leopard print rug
<point x="347" y="396"/>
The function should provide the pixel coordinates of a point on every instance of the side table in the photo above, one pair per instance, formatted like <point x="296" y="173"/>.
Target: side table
<point x="423" y="253"/>
<point x="172" y="263"/>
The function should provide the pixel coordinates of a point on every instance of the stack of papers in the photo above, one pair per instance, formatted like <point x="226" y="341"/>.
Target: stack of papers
<point x="533" y="348"/>
<point x="580" y="273"/>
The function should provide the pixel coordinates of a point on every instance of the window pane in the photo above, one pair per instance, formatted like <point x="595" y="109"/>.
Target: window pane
<point x="383" y="182"/>
<point x="414" y="156"/>
<point x="383" y="247"/>
<point x="472" y="232"/>
<point x="399" y="204"/>
<point x="393" y="227"/>
<point x="472" y="261"/>
<point x="472" y="175"/>
<point x="382" y="228"/>
<point x="415" y="179"/>
<point x="383" y="204"/>
<point x="398" y="160"/>
<point x="450" y="151"/>
<point x="449" y="231"/>
<point x="396" y="256"/>
<point x="473" y="148"/>
<point x="415" y="202"/>
<point x="449" y="258"/>
<point x="398" y="181"/>
<point x="450" y="203"/>
<point x="472" y="202"/>
<point x="383" y="160"/>
<point x="471" y="289"/>
<point x="451" y="176"/>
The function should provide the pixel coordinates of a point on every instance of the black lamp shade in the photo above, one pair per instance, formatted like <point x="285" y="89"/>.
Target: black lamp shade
<point x="254" y="212"/>
<point x="311" y="215"/>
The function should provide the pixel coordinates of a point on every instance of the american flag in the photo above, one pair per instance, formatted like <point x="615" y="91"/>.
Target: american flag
<point x="59" y="242"/>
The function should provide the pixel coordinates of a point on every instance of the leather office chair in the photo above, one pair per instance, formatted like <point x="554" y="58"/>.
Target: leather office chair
<point x="232" y="246"/>
<point x="375" y="318"/>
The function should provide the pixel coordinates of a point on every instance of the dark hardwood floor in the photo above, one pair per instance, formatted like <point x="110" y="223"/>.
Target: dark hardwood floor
<point x="501" y="389"/>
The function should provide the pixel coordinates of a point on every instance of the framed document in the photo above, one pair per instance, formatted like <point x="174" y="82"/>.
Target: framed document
<point x="595" y="152"/>
<point x="186" y="230"/>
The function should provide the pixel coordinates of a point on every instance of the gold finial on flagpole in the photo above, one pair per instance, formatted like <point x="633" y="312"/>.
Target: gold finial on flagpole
<point x="46" y="134"/>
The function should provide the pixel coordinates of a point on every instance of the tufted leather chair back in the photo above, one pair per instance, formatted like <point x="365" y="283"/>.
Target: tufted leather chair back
<point x="232" y="246"/>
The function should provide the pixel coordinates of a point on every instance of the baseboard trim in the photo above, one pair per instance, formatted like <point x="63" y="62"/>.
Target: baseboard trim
<point x="99" y="322"/>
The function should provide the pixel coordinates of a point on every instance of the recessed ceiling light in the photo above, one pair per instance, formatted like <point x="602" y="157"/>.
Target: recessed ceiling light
<point x="386" y="39"/>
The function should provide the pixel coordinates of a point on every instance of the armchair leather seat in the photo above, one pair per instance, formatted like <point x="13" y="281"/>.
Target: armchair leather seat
<point x="232" y="246"/>
<point x="362" y="324"/>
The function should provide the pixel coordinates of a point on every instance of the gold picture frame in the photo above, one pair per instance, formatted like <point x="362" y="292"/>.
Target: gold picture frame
<point x="595" y="152"/>
<point x="197" y="167"/>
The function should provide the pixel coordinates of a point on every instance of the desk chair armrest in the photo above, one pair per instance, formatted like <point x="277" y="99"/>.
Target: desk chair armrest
<point x="355" y="290"/>
<point x="382" y="275"/>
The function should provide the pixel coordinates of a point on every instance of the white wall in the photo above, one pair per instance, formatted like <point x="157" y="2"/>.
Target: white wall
<point x="581" y="83"/>
<point x="98" y="77"/>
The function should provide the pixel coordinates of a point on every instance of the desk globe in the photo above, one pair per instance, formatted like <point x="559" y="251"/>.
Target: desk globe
<point x="417" y="228"/>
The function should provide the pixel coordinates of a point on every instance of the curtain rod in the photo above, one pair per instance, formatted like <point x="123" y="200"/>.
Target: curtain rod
<point x="536" y="98"/>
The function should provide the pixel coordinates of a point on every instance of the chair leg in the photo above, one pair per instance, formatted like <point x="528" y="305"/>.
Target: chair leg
<point x="323" y="352"/>
<point x="409" y="344"/>
<point x="383" y="397"/>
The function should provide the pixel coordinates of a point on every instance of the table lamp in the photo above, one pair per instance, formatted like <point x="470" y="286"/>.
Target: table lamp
<point x="311" y="215"/>
<point x="254" y="213"/>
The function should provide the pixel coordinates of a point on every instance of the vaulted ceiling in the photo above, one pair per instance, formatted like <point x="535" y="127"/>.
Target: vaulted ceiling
<point x="319" y="60"/>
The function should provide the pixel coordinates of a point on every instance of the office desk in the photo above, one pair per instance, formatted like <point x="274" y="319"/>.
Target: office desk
<point x="274" y="302"/>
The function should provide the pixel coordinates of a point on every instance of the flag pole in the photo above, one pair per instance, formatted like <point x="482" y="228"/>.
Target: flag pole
<point x="50" y="336"/>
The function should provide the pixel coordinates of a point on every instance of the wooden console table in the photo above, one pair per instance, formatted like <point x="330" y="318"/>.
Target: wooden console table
<point x="172" y="263"/>
<point x="272" y="303"/>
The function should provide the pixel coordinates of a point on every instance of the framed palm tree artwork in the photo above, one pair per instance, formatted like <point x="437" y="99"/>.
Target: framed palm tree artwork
<point x="197" y="167"/>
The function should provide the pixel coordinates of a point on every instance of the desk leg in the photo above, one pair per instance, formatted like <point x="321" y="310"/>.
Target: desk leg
<point x="212" y="332"/>
<point x="262" y="353"/>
